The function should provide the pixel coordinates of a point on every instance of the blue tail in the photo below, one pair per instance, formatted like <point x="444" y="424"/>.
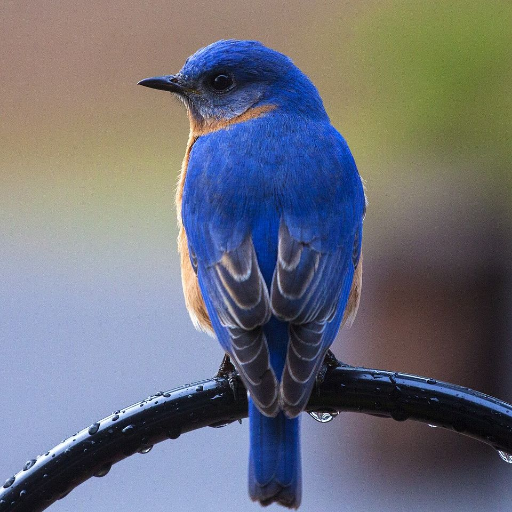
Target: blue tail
<point x="274" y="460"/>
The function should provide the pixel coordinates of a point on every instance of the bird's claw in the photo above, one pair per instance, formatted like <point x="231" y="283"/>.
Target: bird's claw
<point x="228" y="371"/>
<point x="330" y="361"/>
<point x="226" y="368"/>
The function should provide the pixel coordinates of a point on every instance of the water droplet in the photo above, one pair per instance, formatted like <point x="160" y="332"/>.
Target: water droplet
<point x="128" y="429"/>
<point x="431" y="381"/>
<point x="432" y="426"/>
<point x="115" y="417"/>
<point x="323" y="417"/>
<point x="199" y="388"/>
<point x="507" y="457"/>
<point x="103" y="470"/>
<point x="166" y="395"/>
<point x="29" y="464"/>
<point x="399" y="415"/>
<point x="94" y="428"/>
<point x="9" y="482"/>
<point x="146" y="449"/>
<point x="174" y="433"/>
<point x="23" y="493"/>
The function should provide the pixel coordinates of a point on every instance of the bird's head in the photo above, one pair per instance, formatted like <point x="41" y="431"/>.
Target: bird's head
<point x="231" y="78"/>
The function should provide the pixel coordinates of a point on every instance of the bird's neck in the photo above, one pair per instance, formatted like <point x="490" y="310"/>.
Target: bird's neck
<point x="201" y="126"/>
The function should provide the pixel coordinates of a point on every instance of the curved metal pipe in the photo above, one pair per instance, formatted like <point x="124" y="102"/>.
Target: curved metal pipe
<point x="217" y="401"/>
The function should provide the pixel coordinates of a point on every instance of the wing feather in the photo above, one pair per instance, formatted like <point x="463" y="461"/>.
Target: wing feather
<point x="309" y="288"/>
<point x="240" y="298"/>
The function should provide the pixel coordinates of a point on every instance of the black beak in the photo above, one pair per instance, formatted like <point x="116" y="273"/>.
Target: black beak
<point x="171" y="83"/>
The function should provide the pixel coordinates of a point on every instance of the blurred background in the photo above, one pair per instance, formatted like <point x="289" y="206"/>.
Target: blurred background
<point x="91" y="311"/>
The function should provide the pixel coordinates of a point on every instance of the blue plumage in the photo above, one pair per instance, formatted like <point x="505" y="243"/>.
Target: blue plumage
<point x="272" y="208"/>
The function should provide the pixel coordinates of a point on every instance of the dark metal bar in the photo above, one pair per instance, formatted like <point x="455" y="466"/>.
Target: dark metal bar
<point x="213" y="402"/>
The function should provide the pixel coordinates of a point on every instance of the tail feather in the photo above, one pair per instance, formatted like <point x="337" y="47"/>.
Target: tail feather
<point x="274" y="461"/>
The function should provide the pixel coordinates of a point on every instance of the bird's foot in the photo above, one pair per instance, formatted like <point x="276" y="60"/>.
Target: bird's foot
<point x="330" y="361"/>
<point x="226" y="368"/>
<point x="228" y="371"/>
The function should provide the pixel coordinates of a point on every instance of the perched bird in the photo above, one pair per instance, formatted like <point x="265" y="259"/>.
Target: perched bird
<point x="270" y="208"/>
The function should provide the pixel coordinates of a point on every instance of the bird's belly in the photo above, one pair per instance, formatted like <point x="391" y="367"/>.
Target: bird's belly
<point x="193" y="297"/>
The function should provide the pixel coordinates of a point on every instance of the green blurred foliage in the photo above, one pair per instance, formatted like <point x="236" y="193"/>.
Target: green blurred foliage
<point x="433" y="79"/>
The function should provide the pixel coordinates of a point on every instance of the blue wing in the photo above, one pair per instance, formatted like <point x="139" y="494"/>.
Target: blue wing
<point x="273" y="219"/>
<point x="237" y="299"/>
<point x="319" y="249"/>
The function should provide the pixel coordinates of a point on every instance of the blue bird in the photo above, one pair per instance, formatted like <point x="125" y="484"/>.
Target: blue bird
<point x="270" y="207"/>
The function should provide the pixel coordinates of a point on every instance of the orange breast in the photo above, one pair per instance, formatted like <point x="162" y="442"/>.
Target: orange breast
<point x="355" y="294"/>
<point x="193" y="297"/>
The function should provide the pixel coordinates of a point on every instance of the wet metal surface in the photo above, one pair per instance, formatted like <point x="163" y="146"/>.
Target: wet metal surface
<point x="167" y="415"/>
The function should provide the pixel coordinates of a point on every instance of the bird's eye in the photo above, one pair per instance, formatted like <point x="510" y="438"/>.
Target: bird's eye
<point x="221" y="82"/>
